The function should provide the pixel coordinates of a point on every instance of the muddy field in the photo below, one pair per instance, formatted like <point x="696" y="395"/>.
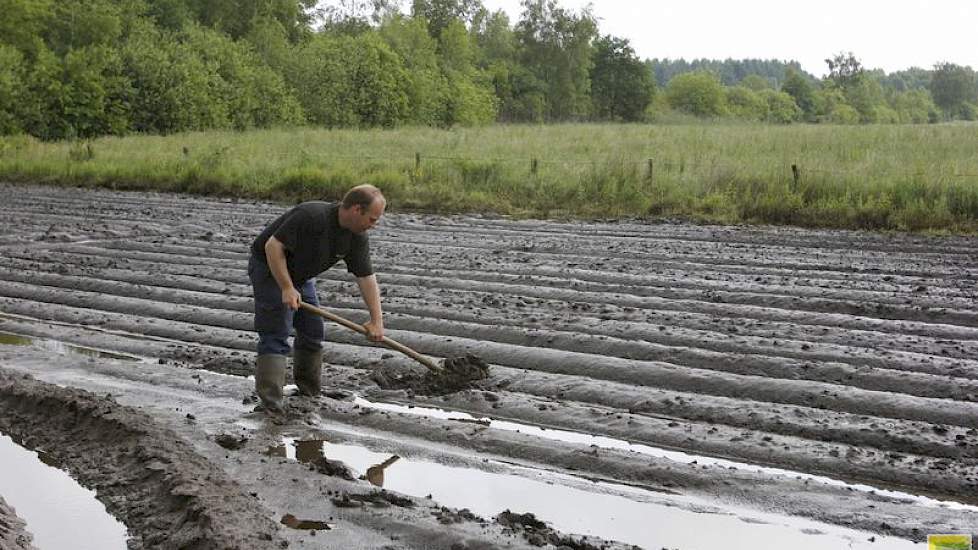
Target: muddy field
<point x="825" y="376"/>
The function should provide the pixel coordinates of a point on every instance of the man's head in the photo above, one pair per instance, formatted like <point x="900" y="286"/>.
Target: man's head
<point x="362" y="208"/>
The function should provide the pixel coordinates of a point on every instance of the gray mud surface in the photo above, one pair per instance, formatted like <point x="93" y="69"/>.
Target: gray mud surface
<point x="13" y="535"/>
<point x="842" y="354"/>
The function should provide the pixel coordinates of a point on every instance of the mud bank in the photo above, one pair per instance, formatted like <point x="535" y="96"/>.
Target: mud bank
<point x="13" y="534"/>
<point x="844" y="354"/>
<point x="165" y="493"/>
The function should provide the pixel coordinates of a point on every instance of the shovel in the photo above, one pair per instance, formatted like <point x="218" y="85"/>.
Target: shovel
<point x="392" y="344"/>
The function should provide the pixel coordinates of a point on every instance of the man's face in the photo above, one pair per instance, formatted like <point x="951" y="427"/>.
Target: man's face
<point x="367" y="218"/>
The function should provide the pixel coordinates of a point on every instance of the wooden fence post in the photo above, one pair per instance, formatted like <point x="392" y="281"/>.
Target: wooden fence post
<point x="795" y="174"/>
<point x="533" y="166"/>
<point x="649" y="175"/>
<point x="417" y="163"/>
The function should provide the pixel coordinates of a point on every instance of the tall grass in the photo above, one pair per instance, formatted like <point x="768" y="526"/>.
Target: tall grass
<point x="875" y="177"/>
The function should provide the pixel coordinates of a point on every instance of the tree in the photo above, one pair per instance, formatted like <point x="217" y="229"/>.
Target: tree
<point x="757" y="82"/>
<point x="952" y="87"/>
<point x="426" y="86"/>
<point x="354" y="16"/>
<point x="439" y="14"/>
<point x="803" y="93"/>
<point x="621" y="86"/>
<point x="781" y="107"/>
<point x="23" y="21"/>
<point x="556" y="50"/>
<point x="80" y="23"/>
<point x="745" y="104"/>
<point x="844" y="70"/>
<point x="12" y="89"/>
<point x="698" y="93"/>
<point x="914" y="107"/>
<point x="344" y="81"/>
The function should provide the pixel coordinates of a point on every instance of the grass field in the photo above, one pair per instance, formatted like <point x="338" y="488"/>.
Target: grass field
<point x="919" y="178"/>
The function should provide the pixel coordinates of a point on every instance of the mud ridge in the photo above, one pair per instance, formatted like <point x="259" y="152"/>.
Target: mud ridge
<point x="166" y="494"/>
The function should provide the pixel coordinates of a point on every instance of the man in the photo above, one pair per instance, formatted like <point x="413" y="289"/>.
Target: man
<point x="285" y="259"/>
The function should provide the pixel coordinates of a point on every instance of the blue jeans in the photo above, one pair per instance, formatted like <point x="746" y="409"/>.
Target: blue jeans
<point x="275" y="320"/>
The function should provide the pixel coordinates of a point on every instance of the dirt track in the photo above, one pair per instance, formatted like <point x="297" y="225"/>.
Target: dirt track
<point x="848" y="355"/>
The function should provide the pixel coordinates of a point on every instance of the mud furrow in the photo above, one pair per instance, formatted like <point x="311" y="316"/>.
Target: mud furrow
<point x="399" y="300"/>
<point x="742" y="359"/>
<point x="924" y="293"/>
<point x="707" y="234"/>
<point x="601" y="293"/>
<point x="655" y="374"/>
<point x="948" y="336"/>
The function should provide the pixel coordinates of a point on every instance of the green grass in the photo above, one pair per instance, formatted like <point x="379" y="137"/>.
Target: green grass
<point x="918" y="178"/>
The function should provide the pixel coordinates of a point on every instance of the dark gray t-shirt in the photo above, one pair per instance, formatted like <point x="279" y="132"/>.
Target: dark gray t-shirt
<point x="314" y="241"/>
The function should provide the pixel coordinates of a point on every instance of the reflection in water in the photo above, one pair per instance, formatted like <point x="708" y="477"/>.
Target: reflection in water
<point x="58" y="511"/>
<point x="309" y="451"/>
<point x="628" y="514"/>
<point x="10" y="339"/>
<point x="677" y="456"/>
<point x="375" y="473"/>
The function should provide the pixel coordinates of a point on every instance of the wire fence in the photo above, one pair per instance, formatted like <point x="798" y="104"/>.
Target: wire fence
<point x="647" y="167"/>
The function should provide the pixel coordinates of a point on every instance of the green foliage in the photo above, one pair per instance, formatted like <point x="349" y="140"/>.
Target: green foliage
<point x="914" y="107"/>
<point x="556" y="51"/>
<point x="176" y="87"/>
<point x="426" y="87"/>
<point x="79" y="24"/>
<point x="845" y="70"/>
<point x="254" y="95"/>
<point x="12" y="89"/>
<point x="952" y="86"/>
<point x="95" y="93"/>
<point x="343" y="80"/>
<point x="442" y="14"/>
<point x="781" y="107"/>
<point x="756" y="82"/>
<point x="730" y="71"/>
<point x="698" y="93"/>
<point x="745" y="104"/>
<point x="23" y="21"/>
<point x="802" y="91"/>
<point x="621" y="87"/>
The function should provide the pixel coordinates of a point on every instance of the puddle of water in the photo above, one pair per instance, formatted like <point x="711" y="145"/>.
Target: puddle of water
<point x="58" y="511"/>
<point x="11" y="339"/>
<point x="676" y="456"/>
<point x="606" y="510"/>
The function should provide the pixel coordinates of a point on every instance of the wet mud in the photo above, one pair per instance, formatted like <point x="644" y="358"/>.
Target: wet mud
<point x="13" y="534"/>
<point x="454" y="374"/>
<point x="844" y="354"/>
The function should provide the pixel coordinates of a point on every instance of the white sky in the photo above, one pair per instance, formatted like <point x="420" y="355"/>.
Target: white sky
<point x="890" y="35"/>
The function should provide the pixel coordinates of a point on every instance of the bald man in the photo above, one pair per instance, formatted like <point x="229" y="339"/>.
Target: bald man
<point x="285" y="260"/>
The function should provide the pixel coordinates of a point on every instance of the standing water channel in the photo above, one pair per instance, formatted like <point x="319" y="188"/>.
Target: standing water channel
<point x="580" y="507"/>
<point x="58" y="511"/>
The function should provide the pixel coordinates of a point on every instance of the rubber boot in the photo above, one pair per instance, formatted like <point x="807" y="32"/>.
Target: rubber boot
<point x="269" y="380"/>
<point x="307" y="368"/>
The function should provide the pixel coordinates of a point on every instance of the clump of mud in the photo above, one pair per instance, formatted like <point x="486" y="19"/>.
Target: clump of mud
<point x="455" y="374"/>
<point x="538" y="533"/>
<point x="379" y="498"/>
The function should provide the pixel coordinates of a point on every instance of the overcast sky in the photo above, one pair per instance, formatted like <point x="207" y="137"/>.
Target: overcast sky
<point x="890" y="35"/>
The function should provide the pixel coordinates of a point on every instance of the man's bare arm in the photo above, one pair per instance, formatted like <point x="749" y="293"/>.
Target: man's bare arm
<point x="370" y="292"/>
<point x="275" y="254"/>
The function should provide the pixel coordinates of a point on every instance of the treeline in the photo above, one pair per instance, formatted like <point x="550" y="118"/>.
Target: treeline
<point x="780" y="92"/>
<point x="731" y="72"/>
<point x="82" y="68"/>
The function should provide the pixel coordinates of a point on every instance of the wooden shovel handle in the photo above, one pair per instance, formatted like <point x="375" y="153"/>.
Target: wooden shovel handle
<point x="392" y="344"/>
